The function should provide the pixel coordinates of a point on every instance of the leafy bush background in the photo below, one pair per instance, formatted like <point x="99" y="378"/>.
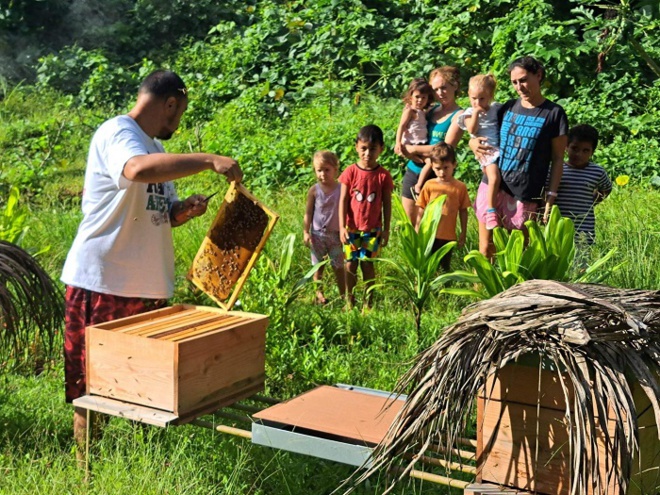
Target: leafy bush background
<point x="273" y="81"/>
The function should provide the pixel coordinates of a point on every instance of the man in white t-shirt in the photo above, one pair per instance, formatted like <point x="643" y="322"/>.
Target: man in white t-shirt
<point x="121" y="262"/>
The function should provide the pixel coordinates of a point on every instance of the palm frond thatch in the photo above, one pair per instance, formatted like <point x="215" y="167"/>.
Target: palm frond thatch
<point x="32" y="305"/>
<point x="598" y="336"/>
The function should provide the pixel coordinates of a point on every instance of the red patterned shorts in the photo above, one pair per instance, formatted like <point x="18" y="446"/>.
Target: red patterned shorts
<point x="84" y="308"/>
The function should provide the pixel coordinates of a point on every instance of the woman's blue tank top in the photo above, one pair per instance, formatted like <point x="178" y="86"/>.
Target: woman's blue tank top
<point x="437" y="133"/>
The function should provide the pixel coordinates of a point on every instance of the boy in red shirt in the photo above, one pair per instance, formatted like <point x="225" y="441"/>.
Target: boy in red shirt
<point x="365" y="209"/>
<point x="443" y="162"/>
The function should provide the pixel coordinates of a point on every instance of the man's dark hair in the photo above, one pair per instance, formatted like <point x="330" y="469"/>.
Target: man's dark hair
<point x="530" y="64"/>
<point x="584" y="133"/>
<point x="371" y="134"/>
<point x="164" y="84"/>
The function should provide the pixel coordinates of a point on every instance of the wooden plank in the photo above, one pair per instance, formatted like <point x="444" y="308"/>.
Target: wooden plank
<point x="491" y="489"/>
<point x="142" y="317"/>
<point x="518" y="457"/>
<point x="212" y="321"/>
<point x="211" y="365"/>
<point x="480" y="438"/>
<point x="221" y="324"/>
<point x="512" y="386"/>
<point x="157" y="327"/>
<point x="645" y="477"/>
<point x="130" y="368"/>
<point x="238" y="391"/>
<point x="125" y="410"/>
<point x="347" y="414"/>
<point x="174" y="319"/>
<point x="522" y="384"/>
<point x="226" y="325"/>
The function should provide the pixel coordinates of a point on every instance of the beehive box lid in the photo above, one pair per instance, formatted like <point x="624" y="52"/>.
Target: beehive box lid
<point x="353" y="416"/>
<point x="232" y="246"/>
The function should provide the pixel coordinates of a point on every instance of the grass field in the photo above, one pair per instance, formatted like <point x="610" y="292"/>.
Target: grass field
<point x="307" y="345"/>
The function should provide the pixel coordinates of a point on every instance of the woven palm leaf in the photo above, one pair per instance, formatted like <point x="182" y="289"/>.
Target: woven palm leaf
<point x="31" y="305"/>
<point x="602" y="339"/>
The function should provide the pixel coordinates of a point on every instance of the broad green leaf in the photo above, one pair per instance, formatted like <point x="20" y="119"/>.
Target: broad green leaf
<point x="428" y="226"/>
<point x="500" y="238"/>
<point x="512" y="255"/>
<point x="486" y="272"/>
<point x="463" y="292"/>
<point x="287" y="256"/>
<point x="462" y="276"/>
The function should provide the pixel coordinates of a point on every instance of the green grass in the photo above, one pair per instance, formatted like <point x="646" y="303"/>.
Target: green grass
<point x="307" y="345"/>
<point x="310" y="345"/>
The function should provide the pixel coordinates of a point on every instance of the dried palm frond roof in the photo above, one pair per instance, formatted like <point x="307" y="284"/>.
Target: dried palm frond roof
<point x="596" y="335"/>
<point x="31" y="305"/>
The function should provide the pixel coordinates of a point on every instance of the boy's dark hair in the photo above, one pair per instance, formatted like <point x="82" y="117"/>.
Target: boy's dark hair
<point x="584" y="133"/>
<point x="371" y="134"/>
<point x="442" y="152"/>
<point x="418" y="84"/>
<point x="164" y="84"/>
<point x="530" y="64"/>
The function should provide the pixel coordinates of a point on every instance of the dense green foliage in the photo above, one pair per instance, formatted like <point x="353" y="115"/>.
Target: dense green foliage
<point x="307" y="75"/>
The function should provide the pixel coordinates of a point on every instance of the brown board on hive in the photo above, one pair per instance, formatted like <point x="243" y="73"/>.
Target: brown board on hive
<point x="232" y="246"/>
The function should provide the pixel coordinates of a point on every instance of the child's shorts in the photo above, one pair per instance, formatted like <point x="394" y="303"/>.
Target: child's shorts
<point x="362" y="245"/>
<point x="512" y="213"/>
<point x="327" y="243"/>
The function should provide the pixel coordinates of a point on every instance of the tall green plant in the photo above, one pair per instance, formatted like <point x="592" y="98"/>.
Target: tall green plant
<point x="12" y="220"/>
<point x="275" y="288"/>
<point x="415" y="275"/>
<point x="548" y="255"/>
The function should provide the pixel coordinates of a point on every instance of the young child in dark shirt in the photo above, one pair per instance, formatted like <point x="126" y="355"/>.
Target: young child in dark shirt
<point x="583" y="184"/>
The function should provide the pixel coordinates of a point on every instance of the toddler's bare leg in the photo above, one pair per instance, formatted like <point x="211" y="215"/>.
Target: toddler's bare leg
<point x="486" y="242"/>
<point x="368" y="275"/>
<point x="351" y="281"/>
<point x="493" y="174"/>
<point x="318" y="277"/>
<point x="340" y="276"/>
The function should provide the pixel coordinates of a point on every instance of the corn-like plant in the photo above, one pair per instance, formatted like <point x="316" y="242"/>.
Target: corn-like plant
<point x="548" y="255"/>
<point x="415" y="275"/>
<point x="12" y="220"/>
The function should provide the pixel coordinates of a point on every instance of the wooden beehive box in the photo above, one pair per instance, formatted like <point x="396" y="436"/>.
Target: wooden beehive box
<point x="231" y="246"/>
<point x="523" y="440"/>
<point x="183" y="359"/>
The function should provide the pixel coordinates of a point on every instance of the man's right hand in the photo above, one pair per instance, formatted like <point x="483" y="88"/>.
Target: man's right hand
<point x="228" y="167"/>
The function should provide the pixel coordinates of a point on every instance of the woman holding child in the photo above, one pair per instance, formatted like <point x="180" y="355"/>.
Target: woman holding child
<point x="445" y="82"/>
<point x="533" y="138"/>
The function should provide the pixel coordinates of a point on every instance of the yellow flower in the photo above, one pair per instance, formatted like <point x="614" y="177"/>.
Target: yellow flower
<point x="622" y="180"/>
